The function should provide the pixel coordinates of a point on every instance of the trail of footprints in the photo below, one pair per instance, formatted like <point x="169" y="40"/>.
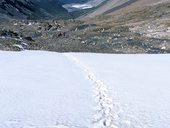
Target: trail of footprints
<point x="104" y="116"/>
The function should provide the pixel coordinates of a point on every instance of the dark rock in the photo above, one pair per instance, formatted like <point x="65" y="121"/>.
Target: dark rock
<point x="29" y="38"/>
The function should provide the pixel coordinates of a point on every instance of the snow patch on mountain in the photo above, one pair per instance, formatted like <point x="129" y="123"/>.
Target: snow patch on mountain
<point x="89" y="4"/>
<point x="82" y="6"/>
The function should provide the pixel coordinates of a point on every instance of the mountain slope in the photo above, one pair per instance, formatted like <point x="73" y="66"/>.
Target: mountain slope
<point x="139" y="27"/>
<point x="110" y="4"/>
<point x="114" y="5"/>
<point x="31" y="9"/>
<point x="74" y="1"/>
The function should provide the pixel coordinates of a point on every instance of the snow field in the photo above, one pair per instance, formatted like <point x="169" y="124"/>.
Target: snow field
<point x="43" y="90"/>
<point x="70" y="90"/>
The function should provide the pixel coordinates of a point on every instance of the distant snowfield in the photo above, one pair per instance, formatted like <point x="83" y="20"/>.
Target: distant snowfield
<point x="89" y="4"/>
<point x="75" y="7"/>
<point x="82" y="6"/>
<point x="82" y="90"/>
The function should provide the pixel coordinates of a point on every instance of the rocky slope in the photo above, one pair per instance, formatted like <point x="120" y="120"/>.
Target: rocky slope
<point x="140" y="27"/>
<point x="109" y="5"/>
<point x="31" y="9"/>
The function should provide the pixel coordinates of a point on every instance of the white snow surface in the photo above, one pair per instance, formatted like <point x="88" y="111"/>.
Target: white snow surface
<point x="42" y="90"/>
<point x="84" y="90"/>
<point x="89" y="4"/>
<point x="81" y="6"/>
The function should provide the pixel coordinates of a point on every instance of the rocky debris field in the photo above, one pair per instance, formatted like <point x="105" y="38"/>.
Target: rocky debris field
<point x="76" y="36"/>
<point x="24" y="34"/>
<point x="135" y="32"/>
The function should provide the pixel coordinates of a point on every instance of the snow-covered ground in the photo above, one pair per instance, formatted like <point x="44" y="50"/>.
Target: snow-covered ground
<point x="70" y="90"/>
<point x="139" y="85"/>
<point x="42" y="90"/>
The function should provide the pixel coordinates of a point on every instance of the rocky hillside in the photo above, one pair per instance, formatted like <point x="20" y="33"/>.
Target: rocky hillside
<point x="109" y="6"/>
<point x="139" y="27"/>
<point x="143" y="26"/>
